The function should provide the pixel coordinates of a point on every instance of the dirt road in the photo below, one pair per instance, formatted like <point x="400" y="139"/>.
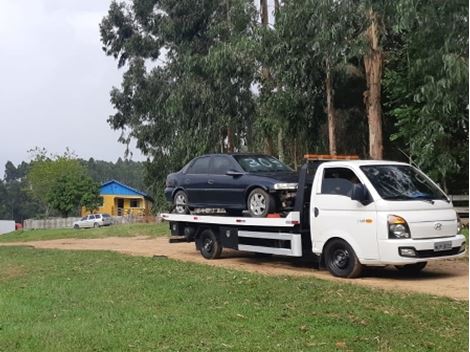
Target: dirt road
<point x="442" y="278"/>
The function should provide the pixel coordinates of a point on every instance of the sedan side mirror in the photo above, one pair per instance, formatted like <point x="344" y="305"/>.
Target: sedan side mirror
<point x="233" y="173"/>
<point x="360" y="194"/>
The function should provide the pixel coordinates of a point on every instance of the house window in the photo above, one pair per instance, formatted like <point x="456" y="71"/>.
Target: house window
<point x="135" y="203"/>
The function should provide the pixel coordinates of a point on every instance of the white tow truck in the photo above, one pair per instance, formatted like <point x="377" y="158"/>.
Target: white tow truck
<point x="348" y="213"/>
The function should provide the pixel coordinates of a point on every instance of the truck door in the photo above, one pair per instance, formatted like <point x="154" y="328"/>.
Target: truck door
<point x="335" y="214"/>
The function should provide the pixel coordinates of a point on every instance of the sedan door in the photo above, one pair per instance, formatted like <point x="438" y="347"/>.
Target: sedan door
<point x="195" y="181"/>
<point x="225" y="190"/>
<point x="90" y="221"/>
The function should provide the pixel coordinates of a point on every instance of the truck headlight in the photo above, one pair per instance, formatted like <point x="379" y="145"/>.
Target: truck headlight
<point x="398" y="227"/>
<point x="285" y="186"/>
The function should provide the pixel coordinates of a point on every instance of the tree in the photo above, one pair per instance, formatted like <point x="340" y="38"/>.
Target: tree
<point x="71" y="191"/>
<point x="45" y="169"/>
<point x="427" y="84"/>
<point x="58" y="181"/>
<point x="16" y="201"/>
<point x="196" y="97"/>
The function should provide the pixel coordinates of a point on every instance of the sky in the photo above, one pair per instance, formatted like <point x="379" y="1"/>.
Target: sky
<point x="55" y="80"/>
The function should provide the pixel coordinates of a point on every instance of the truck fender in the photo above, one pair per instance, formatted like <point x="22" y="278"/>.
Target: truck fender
<point x="347" y="239"/>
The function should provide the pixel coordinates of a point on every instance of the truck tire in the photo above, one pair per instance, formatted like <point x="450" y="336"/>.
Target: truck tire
<point x="340" y="259"/>
<point x="411" y="269"/>
<point x="259" y="203"/>
<point x="210" y="246"/>
<point x="180" y="203"/>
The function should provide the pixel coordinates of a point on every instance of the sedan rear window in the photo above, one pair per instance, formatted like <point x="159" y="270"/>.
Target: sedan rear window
<point x="200" y="166"/>
<point x="261" y="163"/>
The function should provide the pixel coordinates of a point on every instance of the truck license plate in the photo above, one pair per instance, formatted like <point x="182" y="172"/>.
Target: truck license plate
<point x="442" y="246"/>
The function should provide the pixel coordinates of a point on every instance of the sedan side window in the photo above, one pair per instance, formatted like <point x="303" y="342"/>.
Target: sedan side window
<point x="220" y="165"/>
<point x="200" y="166"/>
<point x="339" y="181"/>
<point x="91" y="217"/>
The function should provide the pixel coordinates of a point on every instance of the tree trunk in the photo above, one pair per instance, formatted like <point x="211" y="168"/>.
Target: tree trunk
<point x="263" y="8"/>
<point x="295" y="153"/>
<point x="230" y="147"/>
<point x="268" y="146"/>
<point x="330" y="110"/>
<point x="280" y="145"/>
<point x="373" y="64"/>
<point x="277" y="6"/>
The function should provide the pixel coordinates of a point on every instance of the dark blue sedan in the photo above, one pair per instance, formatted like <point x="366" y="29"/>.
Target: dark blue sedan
<point x="260" y="184"/>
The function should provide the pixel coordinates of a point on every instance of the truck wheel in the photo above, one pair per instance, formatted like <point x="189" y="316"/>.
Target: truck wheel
<point x="259" y="203"/>
<point x="210" y="246"/>
<point x="180" y="202"/>
<point x="414" y="268"/>
<point x="341" y="260"/>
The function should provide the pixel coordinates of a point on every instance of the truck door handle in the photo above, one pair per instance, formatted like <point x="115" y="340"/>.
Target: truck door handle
<point x="211" y="182"/>
<point x="316" y="212"/>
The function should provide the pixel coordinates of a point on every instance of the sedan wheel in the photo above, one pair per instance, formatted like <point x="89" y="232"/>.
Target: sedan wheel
<point x="180" y="202"/>
<point x="259" y="203"/>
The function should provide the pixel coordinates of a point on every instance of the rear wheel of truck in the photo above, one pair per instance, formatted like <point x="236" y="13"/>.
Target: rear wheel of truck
<point x="341" y="260"/>
<point x="411" y="268"/>
<point x="210" y="246"/>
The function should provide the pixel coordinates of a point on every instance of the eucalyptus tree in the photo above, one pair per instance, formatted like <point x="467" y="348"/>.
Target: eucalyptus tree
<point x="426" y="82"/>
<point x="189" y="69"/>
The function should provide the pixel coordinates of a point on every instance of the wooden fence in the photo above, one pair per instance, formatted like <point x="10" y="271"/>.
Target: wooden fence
<point x="57" y="223"/>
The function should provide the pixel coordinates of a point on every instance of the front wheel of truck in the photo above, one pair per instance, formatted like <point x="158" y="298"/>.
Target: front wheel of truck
<point x="341" y="260"/>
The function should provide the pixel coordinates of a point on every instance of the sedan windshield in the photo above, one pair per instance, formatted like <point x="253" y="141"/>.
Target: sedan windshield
<point x="261" y="163"/>
<point x="402" y="182"/>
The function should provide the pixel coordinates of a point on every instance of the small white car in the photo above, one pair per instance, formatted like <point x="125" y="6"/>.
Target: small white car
<point x="93" y="220"/>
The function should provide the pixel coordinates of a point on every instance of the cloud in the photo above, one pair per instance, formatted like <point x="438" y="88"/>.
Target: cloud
<point x="55" y="79"/>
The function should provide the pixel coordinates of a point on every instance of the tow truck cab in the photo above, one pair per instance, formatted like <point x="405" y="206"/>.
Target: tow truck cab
<point x="350" y="213"/>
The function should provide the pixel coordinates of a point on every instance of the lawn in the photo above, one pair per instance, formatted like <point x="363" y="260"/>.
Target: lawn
<point x="115" y="230"/>
<point x="101" y="301"/>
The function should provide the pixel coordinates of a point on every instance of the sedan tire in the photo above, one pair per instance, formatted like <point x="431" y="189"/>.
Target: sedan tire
<point x="259" y="203"/>
<point x="180" y="203"/>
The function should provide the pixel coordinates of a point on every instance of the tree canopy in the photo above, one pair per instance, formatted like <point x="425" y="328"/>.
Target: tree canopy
<point x="374" y="78"/>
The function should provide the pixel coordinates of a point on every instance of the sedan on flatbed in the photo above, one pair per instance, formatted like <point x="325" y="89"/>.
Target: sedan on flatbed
<point x="258" y="183"/>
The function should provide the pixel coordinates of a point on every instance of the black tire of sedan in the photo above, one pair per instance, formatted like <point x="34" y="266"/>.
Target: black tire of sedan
<point x="210" y="246"/>
<point x="411" y="268"/>
<point x="259" y="203"/>
<point x="180" y="203"/>
<point x="341" y="260"/>
<point x="96" y="225"/>
<point x="76" y="227"/>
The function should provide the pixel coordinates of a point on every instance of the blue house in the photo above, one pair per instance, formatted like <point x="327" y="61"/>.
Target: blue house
<point x="120" y="199"/>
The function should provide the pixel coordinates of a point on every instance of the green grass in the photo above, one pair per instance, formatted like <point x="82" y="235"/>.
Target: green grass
<point x="114" y="230"/>
<point x="88" y="301"/>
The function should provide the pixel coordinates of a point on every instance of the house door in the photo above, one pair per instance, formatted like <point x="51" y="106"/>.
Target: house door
<point x="120" y="206"/>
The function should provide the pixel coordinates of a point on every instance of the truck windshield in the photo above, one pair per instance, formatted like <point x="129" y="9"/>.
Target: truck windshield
<point x="402" y="182"/>
<point x="261" y="163"/>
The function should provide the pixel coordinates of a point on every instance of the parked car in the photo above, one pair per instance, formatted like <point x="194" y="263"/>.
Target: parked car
<point x="93" y="220"/>
<point x="258" y="183"/>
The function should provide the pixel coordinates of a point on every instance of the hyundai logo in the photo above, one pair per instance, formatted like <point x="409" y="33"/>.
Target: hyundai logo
<point x="437" y="226"/>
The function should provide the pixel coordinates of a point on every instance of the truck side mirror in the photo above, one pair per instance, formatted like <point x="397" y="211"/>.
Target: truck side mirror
<point x="360" y="194"/>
